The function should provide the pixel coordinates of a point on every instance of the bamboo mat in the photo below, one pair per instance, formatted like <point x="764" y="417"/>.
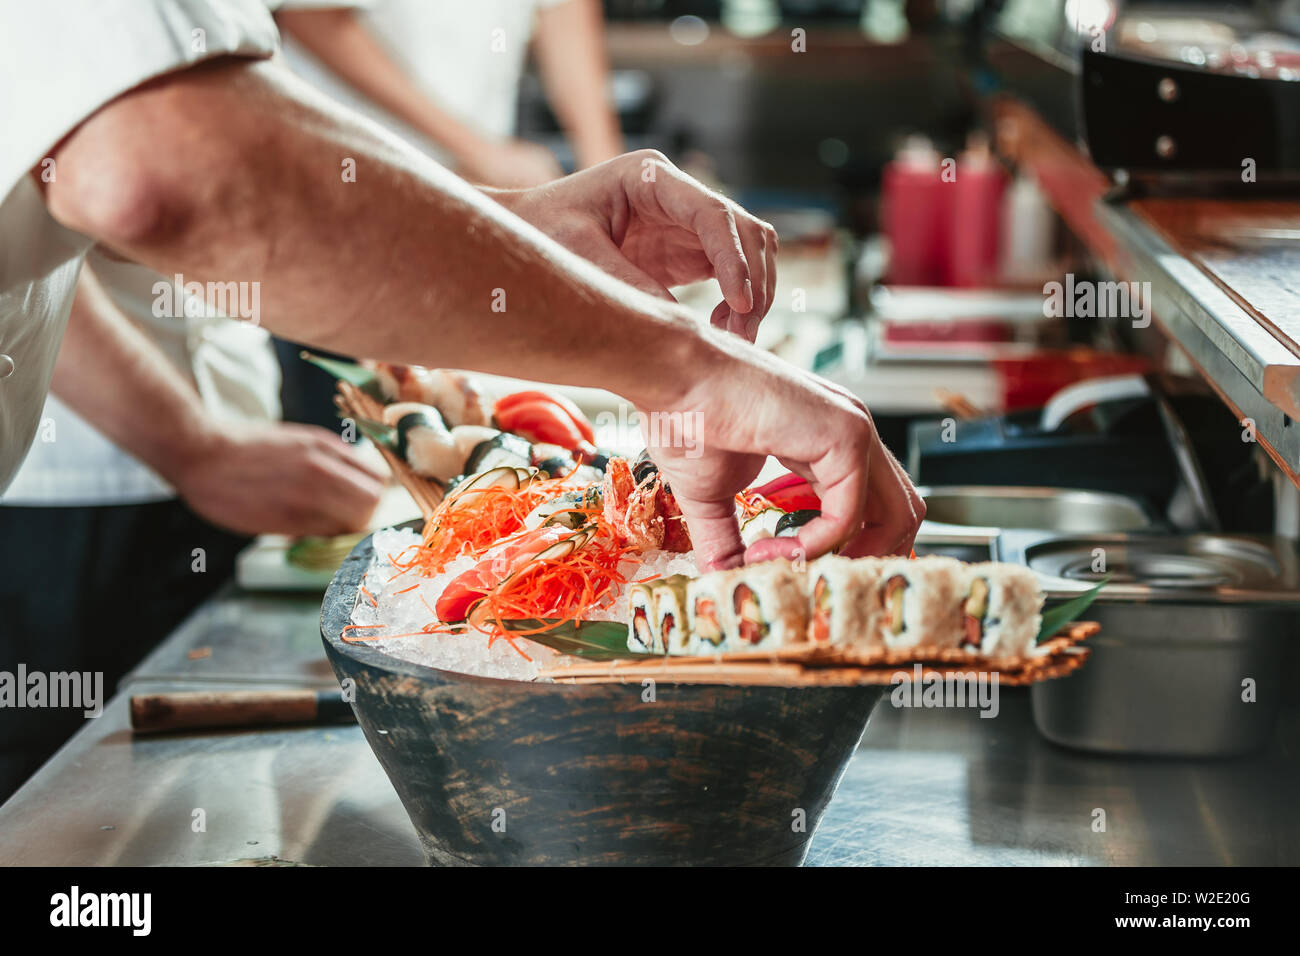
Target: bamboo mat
<point x="828" y="666"/>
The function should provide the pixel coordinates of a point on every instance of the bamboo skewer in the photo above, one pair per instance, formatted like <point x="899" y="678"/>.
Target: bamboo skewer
<point x="428" y="494"/>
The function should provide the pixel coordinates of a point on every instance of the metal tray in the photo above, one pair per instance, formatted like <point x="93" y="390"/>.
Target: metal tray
<point x="1195" y="630"/>
<point x="1158" y="567"/>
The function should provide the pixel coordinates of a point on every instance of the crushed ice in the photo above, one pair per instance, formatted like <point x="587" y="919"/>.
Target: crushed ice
<point x="404" y="605"/>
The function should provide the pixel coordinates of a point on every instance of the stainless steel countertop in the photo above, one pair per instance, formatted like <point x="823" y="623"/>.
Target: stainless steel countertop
<point x="926" y="787"/>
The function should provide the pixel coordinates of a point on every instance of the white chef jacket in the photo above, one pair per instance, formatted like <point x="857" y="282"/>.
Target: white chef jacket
<point x="230" y="363"/>
<point x="466" y="55"/>
<point x="64" y="61"/>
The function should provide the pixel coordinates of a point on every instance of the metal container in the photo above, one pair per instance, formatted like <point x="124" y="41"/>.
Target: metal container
<point x="1047" y="509"/>
<point x="515" y="773"/>
<point x="1193" y="628"/>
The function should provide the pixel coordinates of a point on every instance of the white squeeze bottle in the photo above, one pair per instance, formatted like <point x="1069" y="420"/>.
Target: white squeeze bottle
<point x="1028" y="232"/>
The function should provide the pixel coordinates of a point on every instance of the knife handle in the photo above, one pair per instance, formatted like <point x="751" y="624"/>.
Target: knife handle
<point x="201" y="710"/>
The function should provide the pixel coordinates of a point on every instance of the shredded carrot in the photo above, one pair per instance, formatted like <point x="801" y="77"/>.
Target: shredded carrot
<point x="561" y="591"/>
<point x="411" y="588"/>
<point x="751" y="503"/>
<point x="479" y="519"/>
<point x="355" y="627"/>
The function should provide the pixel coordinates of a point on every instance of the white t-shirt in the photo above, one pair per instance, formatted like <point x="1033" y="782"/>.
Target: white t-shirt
<point x="72" y="57"/>
<point x="466" y="55"/>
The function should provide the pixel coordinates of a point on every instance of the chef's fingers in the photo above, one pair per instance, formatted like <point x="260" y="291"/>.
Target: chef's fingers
<point x="917" y="504"/>
<point x="729" y="320"/>
<point x="709" y="216"/>
<point x="332" y="443"/>
<point x="840" y="480"/>
<point x="715" y="533"/>
<point x="761" y="236"/>
<point x="754" y="242"/>
<point x="892" y="517"/>
<point x="600" y="249"/>
<point x="773" y="246"/>
<point x="721" y="316"/>
<point x="343" y="492"/>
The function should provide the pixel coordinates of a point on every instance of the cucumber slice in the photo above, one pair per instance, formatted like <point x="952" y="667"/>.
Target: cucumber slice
<point x="502" y="477"/>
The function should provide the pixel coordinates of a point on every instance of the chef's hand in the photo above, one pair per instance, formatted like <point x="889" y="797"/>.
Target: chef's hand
<point x="508" y="164"/>
<point x="279" y="479"/>
<point x="643" y="220"/>
<point x="757" y="405"/>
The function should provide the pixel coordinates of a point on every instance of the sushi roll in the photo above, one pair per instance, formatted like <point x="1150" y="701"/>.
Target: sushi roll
<point x="708" y="612"/>
<point x="421" y="439"/>
<point x="845" y="601"/>
<point x="469" y="437"/>
<point x="640" y="626"/>
<point x="672" y="631"/>
<point x="501" y="449"/>
<point x="1001" y="609"/>
<point x="921" y="600"/>
<point x="769" y="602"/>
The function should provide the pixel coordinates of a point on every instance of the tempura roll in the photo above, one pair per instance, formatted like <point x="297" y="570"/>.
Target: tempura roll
<point x="640" y="619"/>
<point x="921" y="602"/>
<point x="770" y="604"/>
<point x="845" y="601"/>
<point x="1001" y="609"/>
<point x="672" y="631"/>
<point x="708" y="612"/>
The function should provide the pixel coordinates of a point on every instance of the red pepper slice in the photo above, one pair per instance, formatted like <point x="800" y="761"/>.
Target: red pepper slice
<point x="572" y="411"/>
<point x="541" y="423"/>
<point x="791" y="493"/>
<point x="467" y="589"/>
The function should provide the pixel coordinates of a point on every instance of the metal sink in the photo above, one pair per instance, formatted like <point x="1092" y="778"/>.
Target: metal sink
<point x="1063" y="510"/>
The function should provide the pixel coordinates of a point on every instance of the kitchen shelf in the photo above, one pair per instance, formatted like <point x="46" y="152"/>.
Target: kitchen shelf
<point x="1224" y="273"/>
<point x="1251" y="360"/>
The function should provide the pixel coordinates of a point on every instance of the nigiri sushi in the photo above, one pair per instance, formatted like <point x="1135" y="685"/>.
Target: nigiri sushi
<point x="453" y="393"/>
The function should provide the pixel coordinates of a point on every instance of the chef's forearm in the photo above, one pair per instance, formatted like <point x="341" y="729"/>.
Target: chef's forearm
<point x="571" y="54"/>
<point x="401" y="261"/>
<point x="112" y="375"/>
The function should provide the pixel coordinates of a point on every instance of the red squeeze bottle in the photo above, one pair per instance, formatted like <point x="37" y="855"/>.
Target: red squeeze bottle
<point x="912" y="215"/>
<point x="974" y="230"/>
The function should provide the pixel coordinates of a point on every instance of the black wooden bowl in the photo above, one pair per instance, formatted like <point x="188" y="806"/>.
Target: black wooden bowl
<point x="506" y="772"/>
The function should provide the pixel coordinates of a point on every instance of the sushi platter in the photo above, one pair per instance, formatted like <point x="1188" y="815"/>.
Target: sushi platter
<point x="580" y="562"/>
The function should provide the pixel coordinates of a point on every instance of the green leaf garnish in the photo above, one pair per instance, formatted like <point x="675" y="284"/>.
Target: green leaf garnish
<point x="593" y="640"/>
<point x="1063" y="614"/>
<point x="378" y="432"/>
<point x="358" y="375"/>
